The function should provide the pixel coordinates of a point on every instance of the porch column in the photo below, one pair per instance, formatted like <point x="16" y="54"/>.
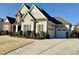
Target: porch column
<point x="12" y="28"/>
<point x="16" y="28"/>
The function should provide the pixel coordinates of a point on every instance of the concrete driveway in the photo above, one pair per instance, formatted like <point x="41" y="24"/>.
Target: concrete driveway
<point x="36" y="48"/>
<point x="49" y="47"/>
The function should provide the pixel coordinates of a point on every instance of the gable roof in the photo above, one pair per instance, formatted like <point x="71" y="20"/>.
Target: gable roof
<point x="26" y="14"/>
<point x="27" y="6"/>
<point x="55" y="20"/>
<point x="58" y="18"/>
<point x="43" y="12"/>
<point x="22" y="7"/>
<point x="10" y="19"/>
<point x="52" y="19"/>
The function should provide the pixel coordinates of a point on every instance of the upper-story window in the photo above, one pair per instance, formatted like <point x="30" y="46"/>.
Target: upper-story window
<point x="33" y="11"/>
<point x="59" y="26"/>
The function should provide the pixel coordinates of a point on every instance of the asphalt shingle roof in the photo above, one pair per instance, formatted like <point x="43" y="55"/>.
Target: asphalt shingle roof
<point x="10" y="19"/>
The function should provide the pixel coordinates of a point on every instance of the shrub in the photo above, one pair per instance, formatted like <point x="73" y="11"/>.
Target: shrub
<point x="15" y="34"/>
<point x="38" y="35"/>
<point x="41" y="35"/>
<point x="78" y="35"/>
<point x="0" y="32"/>
<point x="6" y="32"/>
<point x="27" y="34"/>
<point x="73" y="34"/>
<point x="10" y="33"/>
<point x="19" y="33"/>
<point x="47" y="36"/>
<point x="32" y="34"/>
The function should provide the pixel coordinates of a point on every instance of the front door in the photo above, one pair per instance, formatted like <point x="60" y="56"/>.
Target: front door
<point x="19" y="28"/>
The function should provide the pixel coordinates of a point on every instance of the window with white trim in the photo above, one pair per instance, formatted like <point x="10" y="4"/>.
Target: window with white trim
<point x="40" y="28"/>
<point x="24" y="27"/>
<point x="59" y="29"/>
<point x="33" y="11"/>
<point x="27" y="27"/>
<point x="64" y="29"/>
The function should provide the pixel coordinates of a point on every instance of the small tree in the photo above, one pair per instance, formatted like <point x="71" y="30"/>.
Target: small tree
<point x="74" y="32"/>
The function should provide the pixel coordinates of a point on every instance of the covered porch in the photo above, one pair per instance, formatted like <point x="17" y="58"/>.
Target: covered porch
<point x="16" y="28"/>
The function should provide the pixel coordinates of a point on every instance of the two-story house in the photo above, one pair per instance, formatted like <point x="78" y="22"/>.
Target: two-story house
<point x="37" y="20"/>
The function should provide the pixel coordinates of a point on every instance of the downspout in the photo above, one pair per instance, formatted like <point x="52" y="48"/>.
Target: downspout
<point x="35" y="28"/>
<point x="47" y="30"/>
<point x="55" y="30"/>
<point x="47" y="27"/>
<point x="69" y="29"/>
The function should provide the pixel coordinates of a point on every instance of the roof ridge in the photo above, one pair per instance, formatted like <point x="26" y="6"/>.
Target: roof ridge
<point x="10" y="17"/>
<point x="61" y="19"/>
<point x="27" y="6"/>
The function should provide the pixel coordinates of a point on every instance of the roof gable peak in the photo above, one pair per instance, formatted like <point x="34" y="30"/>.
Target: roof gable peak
<point x="22" y="7"/>
<point x="33" y="5"/>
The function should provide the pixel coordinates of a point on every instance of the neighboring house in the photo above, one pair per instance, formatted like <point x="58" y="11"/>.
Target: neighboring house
<point x="37" y="20"/>
<point x="76" y="27"/>
<point x="72" y="28"/>
<point x="6" y="23"/>
<point x="1" y="27"/>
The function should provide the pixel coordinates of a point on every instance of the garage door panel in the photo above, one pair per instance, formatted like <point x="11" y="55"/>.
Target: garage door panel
<point x="61" y="34"/>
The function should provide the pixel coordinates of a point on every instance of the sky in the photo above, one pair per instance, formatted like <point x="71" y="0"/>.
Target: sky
<point x="69" y="12"/>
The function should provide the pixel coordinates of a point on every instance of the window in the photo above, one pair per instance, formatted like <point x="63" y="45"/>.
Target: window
<point x="33" y="11"/>
<point x="24" y="27"/>
<point x="64" y="29"/>
<point x="59" y="29"/>
<point x="59" y="26"/>
<point x="27" y="27"/>
<point x="40" y="28"/>
<point x="52" y="25"/>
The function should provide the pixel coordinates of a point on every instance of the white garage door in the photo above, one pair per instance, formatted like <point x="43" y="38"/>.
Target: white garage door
<point x="61" y="33"/>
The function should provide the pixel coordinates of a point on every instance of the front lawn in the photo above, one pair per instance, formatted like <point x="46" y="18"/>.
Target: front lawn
<point x="8" y="44"/>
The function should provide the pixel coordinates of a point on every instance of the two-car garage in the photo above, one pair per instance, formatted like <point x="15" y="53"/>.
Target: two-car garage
<point x="61" y="33"/>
